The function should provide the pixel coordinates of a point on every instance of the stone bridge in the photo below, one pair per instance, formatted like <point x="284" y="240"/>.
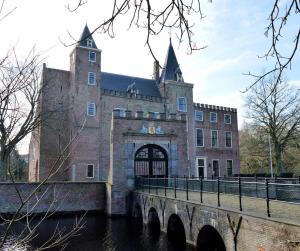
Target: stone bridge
<point x="213" y="228"/>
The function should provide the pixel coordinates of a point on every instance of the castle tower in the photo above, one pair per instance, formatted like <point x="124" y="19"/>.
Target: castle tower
<point x="85" y="69"/>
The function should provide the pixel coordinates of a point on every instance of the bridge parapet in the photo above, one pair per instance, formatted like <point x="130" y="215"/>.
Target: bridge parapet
<point x="202" y="223"/>
<point x="280" y="201"/>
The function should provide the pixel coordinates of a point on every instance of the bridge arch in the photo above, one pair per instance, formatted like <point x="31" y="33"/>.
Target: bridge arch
<point x="137" y="211"/>
<point x="209" y="239"/>
<point x="176" y="231"/>
<point x="153" y="223"/>
<point x="151" y="160"/>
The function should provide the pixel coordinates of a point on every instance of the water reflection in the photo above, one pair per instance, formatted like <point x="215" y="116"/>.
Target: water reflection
<point x="107" y="234"/>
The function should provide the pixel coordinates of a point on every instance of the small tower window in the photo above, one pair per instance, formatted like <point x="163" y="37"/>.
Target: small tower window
<point x="92" y="78"/>
<point x="90" y="171"/>
<point x="198" y="115"/>
<point x="89" y="42"/>
<point x="92" y="56"/>
<point x="181" y="104"/>
<point x="91" y="109"/>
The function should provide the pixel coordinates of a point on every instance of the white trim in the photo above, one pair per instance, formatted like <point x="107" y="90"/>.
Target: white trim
<point x="230" y="139"/>
<point x="90" y="52"/>
<point x="195" y="117"/>
<point x="185" y="110"/>
<point x="211" y="141"/>
<point x="212" y="120"/>
<point x="227" y="166"/>
<point x="87" y="109"/>
<point x="89" y="43"/>
<point x="205" y="165"/>
<point x="94" y="74"/>
<point x="212" y="166"/>
<point x="202" y="137"/>
<point x="229" y="117"/>
<point x="87" y="171"/>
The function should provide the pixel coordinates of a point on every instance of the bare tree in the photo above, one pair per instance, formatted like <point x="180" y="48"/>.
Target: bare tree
<point x="274" y="108"/>
<point x="279" y="18"/>
<point x="153" y="17"/>
<point x="19" y="97"/>
<point x="25" y="211"/>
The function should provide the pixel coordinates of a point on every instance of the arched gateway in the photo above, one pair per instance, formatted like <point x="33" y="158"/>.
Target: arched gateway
<point x="151" y="161"/>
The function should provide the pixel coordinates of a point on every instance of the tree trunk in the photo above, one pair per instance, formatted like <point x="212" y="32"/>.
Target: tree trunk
<point x="4" y="157"/>
<point x="278" y="158"/>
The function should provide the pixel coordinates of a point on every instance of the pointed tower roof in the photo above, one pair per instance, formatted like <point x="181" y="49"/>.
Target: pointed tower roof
<point x="86" y="39"/>
<point x="171" y="70"/>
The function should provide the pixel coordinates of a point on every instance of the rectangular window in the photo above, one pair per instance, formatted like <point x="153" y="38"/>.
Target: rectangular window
<point x="181" y="104"/>
<point x="199" y="137"/>
<point x="229" y="167"/>
<point x="92" y="56"/>
<point x="216" y="170"/>
<point x="122" y="112"/>
<point x="90" y="171"/>
<point x="91" y="109"/>
<point x="155" y="115"/>
<point x="213" y="117"/>
<point x="214" y="138"/>
<point x="228" y="139"/>
<point x="198" y="115"/>
<point x="91" y="78"/>
<point x="201" y="167"/>
<point x="227" y="118"/>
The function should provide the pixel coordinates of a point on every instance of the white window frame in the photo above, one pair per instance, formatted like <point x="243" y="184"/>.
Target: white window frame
<point x="211" y="138"/>
<point x="229" y="118"/>
<point x="212" y="121"/>
<point x="94" y="108"/>
<point x="202" y="137"/>
<point x="205" y="165"/>
<point x="178" y="106"/>
<point x="230" y="139"/>
<point x="212" y="166"/>
<point x="227" y="166"/>
<point x="90" y="59"/>
<point x="89" y="42"/>
<point x="122" y="111"/>
<point x="89" y="74"/>
<point x="87" y="171"/>
<point x="196" y="115"/>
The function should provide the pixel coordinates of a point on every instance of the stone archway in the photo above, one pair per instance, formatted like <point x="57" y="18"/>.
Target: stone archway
<point x="210" y="240"/>
<point x="176" y="232"/>
<point x="151" y="161"/>
<point x="153" y="224"/>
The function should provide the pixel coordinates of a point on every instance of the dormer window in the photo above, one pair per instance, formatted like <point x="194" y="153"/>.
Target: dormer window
<point x="179" y="77"/>
<point x="89" y="42"/>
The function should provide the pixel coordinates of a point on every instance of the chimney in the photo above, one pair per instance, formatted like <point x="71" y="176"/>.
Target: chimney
<point x="156" y="71"/>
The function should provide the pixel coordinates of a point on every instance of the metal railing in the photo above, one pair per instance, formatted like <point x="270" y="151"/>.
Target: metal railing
<point x="264" y="196"/>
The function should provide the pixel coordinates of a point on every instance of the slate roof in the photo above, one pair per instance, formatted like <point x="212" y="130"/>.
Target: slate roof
<point x="171" y="67"/>
<point x="86" y="34"/>
<point x="117" y="82"/>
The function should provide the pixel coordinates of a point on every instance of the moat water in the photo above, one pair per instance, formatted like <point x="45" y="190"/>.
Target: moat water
<point x="105" y="234"/>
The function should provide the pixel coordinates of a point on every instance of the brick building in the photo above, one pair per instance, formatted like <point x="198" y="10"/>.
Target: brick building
<point x="128" y="126"/>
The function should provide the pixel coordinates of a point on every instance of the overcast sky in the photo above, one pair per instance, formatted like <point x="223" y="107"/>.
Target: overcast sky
<point x="233" y="31"/>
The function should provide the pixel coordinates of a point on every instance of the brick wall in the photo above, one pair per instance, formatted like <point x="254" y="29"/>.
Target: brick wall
<point x="57" y="196"/>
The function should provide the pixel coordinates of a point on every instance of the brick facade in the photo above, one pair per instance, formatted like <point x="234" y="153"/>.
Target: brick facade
<point x="104" y="139"/>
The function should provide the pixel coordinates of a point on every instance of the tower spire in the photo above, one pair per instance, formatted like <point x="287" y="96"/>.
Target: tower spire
<point x="86" y="38"/>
